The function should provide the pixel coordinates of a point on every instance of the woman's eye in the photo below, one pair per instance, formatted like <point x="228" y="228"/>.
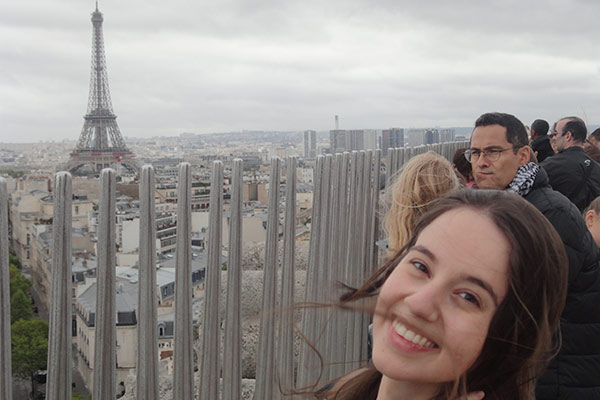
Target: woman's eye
<point x="420" y="266"/>
<point x="470" y="298"/>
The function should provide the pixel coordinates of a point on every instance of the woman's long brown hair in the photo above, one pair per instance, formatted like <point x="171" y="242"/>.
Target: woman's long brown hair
<point x="524" y="332"/>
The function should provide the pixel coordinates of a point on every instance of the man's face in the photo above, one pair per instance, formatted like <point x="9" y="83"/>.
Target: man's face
<point x="594" y="141"/>
<point x="495" y="174"/>
<point x="559" y="137"/>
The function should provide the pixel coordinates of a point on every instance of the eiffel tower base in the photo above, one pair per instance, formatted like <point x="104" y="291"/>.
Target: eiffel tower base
<point x="99" y="160"/>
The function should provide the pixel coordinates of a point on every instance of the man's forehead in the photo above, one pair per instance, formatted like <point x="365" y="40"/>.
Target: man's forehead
<point x="560" y="123"/>
<point x="489" y="135"/>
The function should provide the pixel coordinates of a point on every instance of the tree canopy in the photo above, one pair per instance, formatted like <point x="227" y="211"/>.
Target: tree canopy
<point x="20" y="307"/>
<point x="29" y="347"/>
<point x="18" y="281"/>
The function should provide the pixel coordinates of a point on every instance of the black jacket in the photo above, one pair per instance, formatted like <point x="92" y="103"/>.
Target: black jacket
<point x="566" y="172"/>
<point x="542" y="145"/>
<point x="575" y="372"/>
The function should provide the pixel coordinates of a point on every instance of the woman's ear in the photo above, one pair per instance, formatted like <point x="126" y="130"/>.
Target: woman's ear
<point x="590" y="216"/>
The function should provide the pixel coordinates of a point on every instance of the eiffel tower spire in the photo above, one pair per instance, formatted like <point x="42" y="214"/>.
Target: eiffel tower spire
<point x="100" y="143"/>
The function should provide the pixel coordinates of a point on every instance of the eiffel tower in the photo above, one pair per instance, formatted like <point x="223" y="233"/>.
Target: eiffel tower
<point x="100" y="143"/>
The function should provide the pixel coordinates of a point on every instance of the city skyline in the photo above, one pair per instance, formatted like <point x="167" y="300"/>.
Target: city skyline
<point x="205" y="68"/>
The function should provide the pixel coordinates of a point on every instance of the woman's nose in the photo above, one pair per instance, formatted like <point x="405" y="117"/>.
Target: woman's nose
<point x="425" y="302"/>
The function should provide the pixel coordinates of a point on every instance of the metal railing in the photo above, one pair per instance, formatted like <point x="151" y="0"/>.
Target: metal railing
<point x="344" y="228"/>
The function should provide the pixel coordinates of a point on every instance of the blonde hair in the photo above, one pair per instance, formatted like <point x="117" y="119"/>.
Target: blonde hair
<point x="422" y="180"/>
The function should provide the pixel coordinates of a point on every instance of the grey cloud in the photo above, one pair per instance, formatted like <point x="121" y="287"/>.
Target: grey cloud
<point x="217" y="66"/>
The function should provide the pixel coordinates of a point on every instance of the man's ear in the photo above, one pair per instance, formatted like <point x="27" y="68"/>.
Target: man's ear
<point x="589" y="218"/>
<point x="524" y="154"/>
<point x="569" y="136"/>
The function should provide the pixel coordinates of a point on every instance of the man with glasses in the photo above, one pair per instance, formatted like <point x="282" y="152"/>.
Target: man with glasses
<point x="501" y="159"/>
<point x="571" y="171"/>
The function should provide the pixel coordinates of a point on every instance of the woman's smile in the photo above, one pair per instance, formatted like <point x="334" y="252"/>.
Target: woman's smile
<point x="408" y="340"/>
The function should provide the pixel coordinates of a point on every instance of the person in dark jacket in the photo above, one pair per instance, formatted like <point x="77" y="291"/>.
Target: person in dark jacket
<point x="540" y="141"/>
<point x="500" y="158"/>
<point x="592" y="145"/>
<point x="571" y="171"/>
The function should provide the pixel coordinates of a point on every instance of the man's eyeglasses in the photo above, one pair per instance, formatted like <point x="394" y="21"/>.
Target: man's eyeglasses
<point x="473" y="155"/>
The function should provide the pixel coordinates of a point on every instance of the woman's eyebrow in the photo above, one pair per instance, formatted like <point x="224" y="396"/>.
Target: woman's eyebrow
<point x="483" y="284"/>
<point x="424" y="250"/>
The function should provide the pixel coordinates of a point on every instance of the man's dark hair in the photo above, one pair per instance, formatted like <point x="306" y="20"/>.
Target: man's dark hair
<point x="540" y="127"/>
<point x="576" y="126"/>
<point x="596" y="134"/>
<point x="515" y="130"/>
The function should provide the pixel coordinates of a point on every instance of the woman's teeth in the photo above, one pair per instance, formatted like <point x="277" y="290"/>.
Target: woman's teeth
<point x="412" y="336"/>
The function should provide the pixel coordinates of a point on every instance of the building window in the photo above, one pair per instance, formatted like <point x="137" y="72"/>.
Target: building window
<point x="76" y="209"/>
<point x="161" y="331"/>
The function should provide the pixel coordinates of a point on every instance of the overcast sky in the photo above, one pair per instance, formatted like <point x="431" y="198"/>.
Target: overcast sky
<point x="213" y="66"/>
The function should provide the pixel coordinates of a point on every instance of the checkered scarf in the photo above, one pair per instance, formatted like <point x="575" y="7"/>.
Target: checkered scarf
<point x="523" y="180"/>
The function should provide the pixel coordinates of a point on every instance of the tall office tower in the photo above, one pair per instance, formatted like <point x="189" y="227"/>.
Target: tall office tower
<point x="415" y="137"/>
<point x="339" y="140"/>
<point x="100" y="143"/>
<point x="310" y="144"/>
<point x="447" y="135"/>
<point x="391" y="138"/>
<point x="432" y="136"/>
<point x="354" y="139"/>
<point x="369" y="139"/>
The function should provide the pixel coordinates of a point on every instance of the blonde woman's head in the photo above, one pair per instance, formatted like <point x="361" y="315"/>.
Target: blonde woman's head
<point x="421" y="181"/>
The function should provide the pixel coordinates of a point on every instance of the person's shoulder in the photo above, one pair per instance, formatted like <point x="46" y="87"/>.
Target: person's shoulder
<point x="551" y="203"/>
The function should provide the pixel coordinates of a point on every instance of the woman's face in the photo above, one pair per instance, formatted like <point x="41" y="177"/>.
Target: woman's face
<point x="434" y="310"/>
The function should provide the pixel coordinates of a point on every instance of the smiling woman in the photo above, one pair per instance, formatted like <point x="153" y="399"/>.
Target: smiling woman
<point x="471" y="304"/>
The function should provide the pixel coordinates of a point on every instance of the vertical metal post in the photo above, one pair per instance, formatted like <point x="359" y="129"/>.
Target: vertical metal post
<point x="286" y="321"/>
<point x="105" y="360"/>
<point x="308" y="362"/>
<point x="147" y="354"/>
<point x="323" y="262"/>
<point x="59" y="344"/>
<point x="5" y="343"/>
<point x="265" y="365"/>
<point x="350" y="256"/>
<point x="183" y="379"/>
<point x="372" y="252"/>
<point x="340" y="317"/>
<point x="232" y="348"/>
<point x="209" y="383"/>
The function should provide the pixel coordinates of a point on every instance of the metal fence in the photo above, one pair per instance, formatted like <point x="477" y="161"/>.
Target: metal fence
<point x="344" y="229"/>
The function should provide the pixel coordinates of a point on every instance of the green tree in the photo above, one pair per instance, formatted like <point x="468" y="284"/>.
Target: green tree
<point x="20" y="307"/>
<point x="13" y="259"/>
<point x="29" y="347"/>
<point x="18" y="281"/>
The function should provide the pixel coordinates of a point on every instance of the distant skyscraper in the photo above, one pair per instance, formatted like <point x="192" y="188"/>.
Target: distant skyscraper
<point x="339" y="140"/>
<point x="369" y="139"/>
<point x="432" y="136"/>
<point x="415" y="137"/>
<point x="310" y="144"/>
<point x="447" y="135"/>
<point x="100" y="143"/>
<point x="391" y="138"/>
<point x="354" y="139"/>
